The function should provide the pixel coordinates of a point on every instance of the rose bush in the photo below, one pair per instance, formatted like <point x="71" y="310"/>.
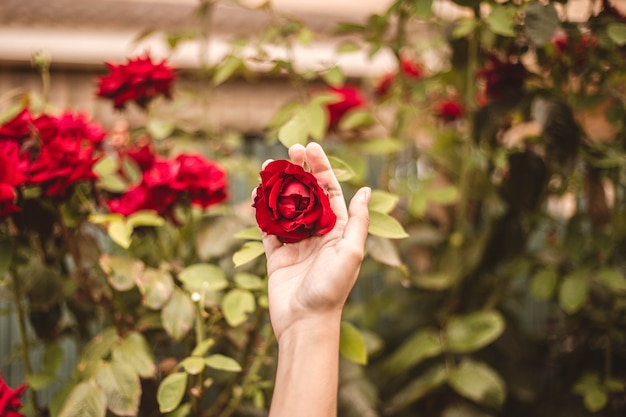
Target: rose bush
<point x="290" y="204"/>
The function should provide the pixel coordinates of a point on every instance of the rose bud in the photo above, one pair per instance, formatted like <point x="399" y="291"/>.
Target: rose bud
<point x="290" y="203"/>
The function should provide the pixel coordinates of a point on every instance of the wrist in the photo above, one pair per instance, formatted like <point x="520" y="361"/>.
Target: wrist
<point x="311" y="331"/>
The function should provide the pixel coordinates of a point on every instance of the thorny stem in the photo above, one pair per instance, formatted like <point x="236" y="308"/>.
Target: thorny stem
<point x="21" y="315"/>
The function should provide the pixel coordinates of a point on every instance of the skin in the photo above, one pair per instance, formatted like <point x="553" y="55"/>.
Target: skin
<point x="309" y="283"/>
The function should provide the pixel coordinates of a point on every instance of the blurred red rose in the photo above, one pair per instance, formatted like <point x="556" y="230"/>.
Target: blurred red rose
<point x="140" y="80"/>
<point x="19" y="127"/>
<point x="348" y="98"/>
<point x="409" y="68"/>
<point x="70" y="126"/>
<point x="203" y="181"/>
<point x="291" y="204"/>
<point x="10" y="402"/>
<point x="143" y="156"/>
<point x="449" y="110"/>
<point x="11" y="176"/>
<point x="504" y="78"/>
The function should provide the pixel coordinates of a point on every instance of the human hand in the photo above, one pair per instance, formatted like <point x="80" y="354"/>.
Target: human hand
<point x="309" y="281"/>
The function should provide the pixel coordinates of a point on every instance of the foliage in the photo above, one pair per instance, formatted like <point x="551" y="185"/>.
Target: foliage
<point x="494" y="282"/>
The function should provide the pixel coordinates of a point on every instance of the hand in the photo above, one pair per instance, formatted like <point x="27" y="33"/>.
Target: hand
<point x="309" y="281"/>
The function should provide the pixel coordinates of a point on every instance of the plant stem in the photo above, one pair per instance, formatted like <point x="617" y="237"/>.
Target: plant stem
<point x="71" y="246"/>
<point x="196" y="397"/>
<point x="21" y="316"/>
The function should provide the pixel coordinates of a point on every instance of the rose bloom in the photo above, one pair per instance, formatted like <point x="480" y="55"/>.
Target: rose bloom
<point x="449" y="110"/>
<point x="11" y="176"/>
<point x="348" y="98"/>
<point x="139" y="80"/>
<point x="19" y="127"/>
<point x="10" y="399"/>
<point x="204" y="181"/>
<point x="290" y="203"/>
<point x="503" y="78"/>
<point x="69" y="126"/>
<point x="409" y="68"/>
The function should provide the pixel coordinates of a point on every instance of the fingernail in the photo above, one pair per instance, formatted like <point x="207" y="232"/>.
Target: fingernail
<point x="367" y="194"/>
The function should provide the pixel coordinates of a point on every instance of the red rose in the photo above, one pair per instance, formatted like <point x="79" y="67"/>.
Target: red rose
<point x="504" y="79"/>
<point x="203" y="181"/>
<point x="348" y="98"/>
<point x="449" y="110"/>
<point x="10" y="400"/>
<point x="290" y="203"/>
<point x="140" y="80"/>
<point x="19" y="127"/>
<point x="11" y="176"/>
<point x="143" y="156"/>
<point x="69" y="126"/>
<point x="409" y="68"/>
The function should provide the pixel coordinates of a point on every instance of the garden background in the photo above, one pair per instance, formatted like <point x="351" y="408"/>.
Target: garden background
<point x="132" y="278"/>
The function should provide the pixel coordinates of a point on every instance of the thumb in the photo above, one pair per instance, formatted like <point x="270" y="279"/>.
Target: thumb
<point x="355" y="232"/>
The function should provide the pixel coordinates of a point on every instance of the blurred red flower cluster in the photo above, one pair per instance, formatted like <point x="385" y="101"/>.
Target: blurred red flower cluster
<point x="409" y="68"/>
<point x="10" y="399"/>
<point x="348" y="98"/>
<point x="503" y="78"/>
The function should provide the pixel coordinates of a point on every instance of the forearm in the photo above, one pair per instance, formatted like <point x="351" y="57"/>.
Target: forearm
<point x="308" y="366"/>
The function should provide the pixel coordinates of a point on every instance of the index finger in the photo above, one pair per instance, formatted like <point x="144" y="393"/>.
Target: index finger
<point x="320" y="167"/>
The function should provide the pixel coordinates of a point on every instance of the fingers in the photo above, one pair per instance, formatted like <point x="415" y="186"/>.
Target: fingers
<point x="355" y="232"/>
<point x="320" y="167"/>
<point x="297" y="153"/>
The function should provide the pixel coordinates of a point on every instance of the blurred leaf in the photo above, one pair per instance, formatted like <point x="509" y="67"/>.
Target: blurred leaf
<point x="617" y="33"/>
<point x="356" y="119"/>
<point x="342" y="170"/>
<point x="422" y="9"/>
<point x="573" y="292"/>
<point x="120" y="232"/>
<point x="222" y="363"/>
<point x="178" y="315"/>
<point x="85" y="399"/>
<point x="121" y="387"/>
<point x="113" y="183"/>
<point x="464" y="27"/>
<point x="443" y="195"/>
<point x="423" y="344"/>
<point x="236" y="305"/>
<point x="249" y="251"/>
<point x="383" y="146"/>
<point x="249" y="281"/>
<point x="427" y="381"/>
<point x="544" y="283"/>
<point x="122" y="272"/>
<point x="215" y="237"/>
<point x="316" y="119"/>
<point x="473" y="331"/>
<point x="226" y="69"/>
<point x="184" y="410"/>
<point x="334" y="76"/>
<point x="100" y="345"/>
<point x="295" y="131"/>
<point x="501" y="20"/>
<point x="348" y="47"/>
<point x="193" y="365"/>
<point x="145" y="218"/>
<point x="160" y="129"/>
<point x="613" y="279"/>
<point x="251" y="233"/>
<point x="203" y="347"/>
<point x="135" y="353"/>
<point x="351" y="344"/>
<point x="105" y="218"/>
<point x="384" y="225"/>
<point x="305" y="36"/>
<point x="595" y="399"/>
<point x="384" y="251"/>
<point x="203" y="276"/>
<point x="436" y="281"/>
<point x="156" y="287"/>
<point x="171" y="391"/>
<point x="383" y="201"/>
<point x="478" y="382"/>
<point x="540" y="22"/>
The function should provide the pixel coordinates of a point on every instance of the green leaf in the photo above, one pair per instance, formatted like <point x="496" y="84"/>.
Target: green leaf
<point x="384" y="251"/>
<point x="357" y="119"/>
<point x="384" y="225"/>
<point x="383" y="146"/>
<point x="226" y="69"/>
<point x="171" y="391"/>
<point x="501" y="20"/>
<point x="251" y="233"/>
<point x="435" y="281"/>
<point x="193" y="365"/>
<point x="473" y="331"/>
<point x="422" y="9"/>
<point x="595" y="399"/>
<point x="348" y="47"/>
<point x="145" y="218"/>
<point x="305" y="36"/>
<point x="236" y="305"/>
<point x="295" y="131"/>
<point x="617" y="33"/>
<point x="334" y="76"/>
<point x="316" y="119"/>
<point x="342" y="170"/>
<point x="249" y="281"/>
<point x="544" y="283"/>
<point x="222" y="363"/>
<point x="160" y="129"/>
<point x="122" y="272"/>
<point x="85" y="399"/>
<point x="478" y="382"/>
<point x="426" y="382"/>
<point x="178" y="315"/>
<point x="184" y="410"/>
<point x="121" y="387"/>
<point x="464" y="27"/>
<point x="135" y="353"/>
<point x="105" y="218"/>
<point x="113" y="183"/>
<point x="423" y="344"/>
<point x="249" y="252"/>
<point x="351" y="344"/>
<point x="6" y="254"/>
<point x="120" y="232"/>
<point x="40" y="380"/>
<point x="613" y="279"/>
<point x="443" y="195"/>
<point x="203" y="347"/>
<point x="156" y="287"/>
<point x="201" y="277"/>
<point x="573" y="292"/>
<point x="383" y="201"/>
<point x="540" y="22"/>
